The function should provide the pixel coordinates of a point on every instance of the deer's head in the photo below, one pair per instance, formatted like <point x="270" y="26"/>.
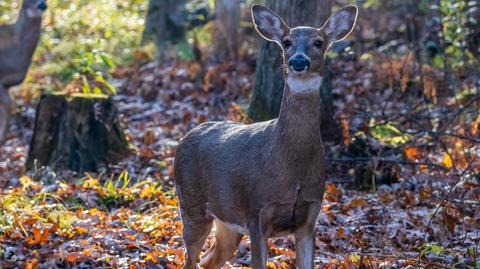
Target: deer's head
<point x="304" y="47"/>
<point x="35" y="7"/>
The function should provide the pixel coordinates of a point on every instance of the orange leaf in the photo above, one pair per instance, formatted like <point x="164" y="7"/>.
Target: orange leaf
<point x="447" y="161"/>
<point x="71" y="258"/>
<point x="340" y="233"/>
<point x="358" y="202"/>
<point x="81" y="230"/>
<point x="149" y="137"/>
<point x="31" y="264"/>
<point x="88" y="251"/>
<point x="150" y="256"/>
<point x="38" y="237"/>
<point x="202" y="118"/>
<point x="334" y="192"/>
<point x="412" y="153"/>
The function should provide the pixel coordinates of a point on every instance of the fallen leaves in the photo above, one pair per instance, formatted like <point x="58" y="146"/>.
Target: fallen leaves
<point x="38" y="237"/>
<point x="105" y="219"/>
<point x="412" y="153"/>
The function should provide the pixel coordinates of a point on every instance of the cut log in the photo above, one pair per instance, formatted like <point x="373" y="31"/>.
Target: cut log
<point x="76" y="133"/>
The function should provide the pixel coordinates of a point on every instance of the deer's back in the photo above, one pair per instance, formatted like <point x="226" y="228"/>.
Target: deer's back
<point x="218" y="148"/>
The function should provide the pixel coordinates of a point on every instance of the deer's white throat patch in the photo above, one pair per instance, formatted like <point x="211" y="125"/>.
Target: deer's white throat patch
<point x="304" y="85"/>
<point x="34" y="13"/>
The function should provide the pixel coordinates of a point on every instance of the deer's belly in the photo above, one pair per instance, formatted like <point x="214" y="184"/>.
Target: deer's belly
<point x="278" y="219"/>
<point x="286" y="218"/>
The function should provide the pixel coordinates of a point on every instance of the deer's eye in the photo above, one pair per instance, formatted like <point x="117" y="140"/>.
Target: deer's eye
<point x="318" y="44"/>
<point x="287" y="43"/>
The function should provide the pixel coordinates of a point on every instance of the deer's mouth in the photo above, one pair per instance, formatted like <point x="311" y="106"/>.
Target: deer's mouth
<point x="299" y="73"/>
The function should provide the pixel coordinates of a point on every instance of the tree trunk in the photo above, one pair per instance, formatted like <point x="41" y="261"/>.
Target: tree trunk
<point x="165" y="24"/>
<point x="473" y="25"/>
<point x="77" y="134"/>
<point x="227" y="24"/>
<point x="269" y="81"/>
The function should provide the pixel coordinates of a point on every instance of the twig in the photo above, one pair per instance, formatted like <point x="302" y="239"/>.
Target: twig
<point x="465" y="202"/>
<point x="387" y="160"/>
<point x="444" y="200"/>
<point x="395" y="257"/>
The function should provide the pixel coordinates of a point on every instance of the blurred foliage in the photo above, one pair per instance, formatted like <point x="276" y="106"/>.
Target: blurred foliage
<point x="454" y="31"/>
<point x="74" y="29"/>
<point x="388" y="134"/>
<point x="93" y="66"/>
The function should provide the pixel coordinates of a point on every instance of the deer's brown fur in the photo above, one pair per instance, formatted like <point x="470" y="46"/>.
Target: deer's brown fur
<point x="264" y="179"/>
<point x="17" y="45"/>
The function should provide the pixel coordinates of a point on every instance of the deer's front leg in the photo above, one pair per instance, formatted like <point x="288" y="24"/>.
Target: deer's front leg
<point x="304" y="239"/>
<point x="258" y="243"/>
<point x="5" y="112"/>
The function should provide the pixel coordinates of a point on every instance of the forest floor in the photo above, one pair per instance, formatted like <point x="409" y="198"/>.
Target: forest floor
<point x="423" y="211"/>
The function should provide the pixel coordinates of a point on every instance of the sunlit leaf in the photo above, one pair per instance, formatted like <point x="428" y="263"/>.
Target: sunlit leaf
<point x="447" y="160"/>
<point x="412" y="153"/>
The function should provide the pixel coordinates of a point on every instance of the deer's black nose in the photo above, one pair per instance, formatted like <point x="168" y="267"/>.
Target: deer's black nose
<point x="299" y="62"/>
<point x="42" y="6"/>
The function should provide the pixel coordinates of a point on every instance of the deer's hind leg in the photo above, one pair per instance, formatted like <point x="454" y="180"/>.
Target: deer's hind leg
<point x="196" y="227"/>
<point x="226" y="242"/>
<point x="5" y="112"/>
<point x="194" y="236"/>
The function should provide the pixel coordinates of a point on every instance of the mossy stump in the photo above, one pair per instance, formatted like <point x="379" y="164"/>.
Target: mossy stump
<point x="76" y="133"/>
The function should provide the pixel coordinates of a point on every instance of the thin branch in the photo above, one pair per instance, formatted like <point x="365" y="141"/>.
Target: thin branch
<point x="445" y="198"/>
<point x="387" y="160"/>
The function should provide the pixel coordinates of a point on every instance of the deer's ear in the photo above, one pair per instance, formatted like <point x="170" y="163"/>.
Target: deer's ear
<point x="269" y="24"/>
<point x="340" y="24"/>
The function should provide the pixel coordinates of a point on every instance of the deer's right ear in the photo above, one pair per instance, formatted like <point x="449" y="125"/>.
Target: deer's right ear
<point x="340" y="24"/>
<point x="269" y="24"/>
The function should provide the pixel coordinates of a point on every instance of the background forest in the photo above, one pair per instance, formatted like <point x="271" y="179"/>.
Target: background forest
<point x="400" y="122"/>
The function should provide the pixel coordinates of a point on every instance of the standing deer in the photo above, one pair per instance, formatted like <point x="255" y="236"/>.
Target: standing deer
<point x="17" y="45"/>
<point x="264" y="179"/>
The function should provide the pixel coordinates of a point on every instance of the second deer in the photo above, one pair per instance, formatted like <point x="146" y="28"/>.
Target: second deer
<point x="264" y="179"/>
<point x="17" y="45"/>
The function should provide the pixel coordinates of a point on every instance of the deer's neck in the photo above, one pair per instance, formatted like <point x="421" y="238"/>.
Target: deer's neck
<point x="27" y="32"/>
<point x="298" y="125"/>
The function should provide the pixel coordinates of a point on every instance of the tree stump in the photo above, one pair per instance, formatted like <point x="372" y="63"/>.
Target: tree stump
<point x="76" y="133"/>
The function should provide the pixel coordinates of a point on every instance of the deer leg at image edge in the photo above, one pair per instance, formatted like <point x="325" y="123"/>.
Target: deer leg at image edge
<point x="5" y="112"/>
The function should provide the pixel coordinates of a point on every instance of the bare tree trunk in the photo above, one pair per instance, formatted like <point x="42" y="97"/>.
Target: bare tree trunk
<point x="473" y="24"/>
<point x="413" y="35"/>
<point x="165" y="23"/>
<point x="269" y="81"/>
<point x="227" y="25"/>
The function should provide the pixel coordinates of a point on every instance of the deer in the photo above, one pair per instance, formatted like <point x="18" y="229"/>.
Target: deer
<point x="18" y="42"/>
<point x="264" y="179"/>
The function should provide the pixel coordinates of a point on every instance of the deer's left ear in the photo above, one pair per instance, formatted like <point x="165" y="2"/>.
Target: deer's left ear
<point x="269" y="24"/>
<point x="340" y="24"/>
